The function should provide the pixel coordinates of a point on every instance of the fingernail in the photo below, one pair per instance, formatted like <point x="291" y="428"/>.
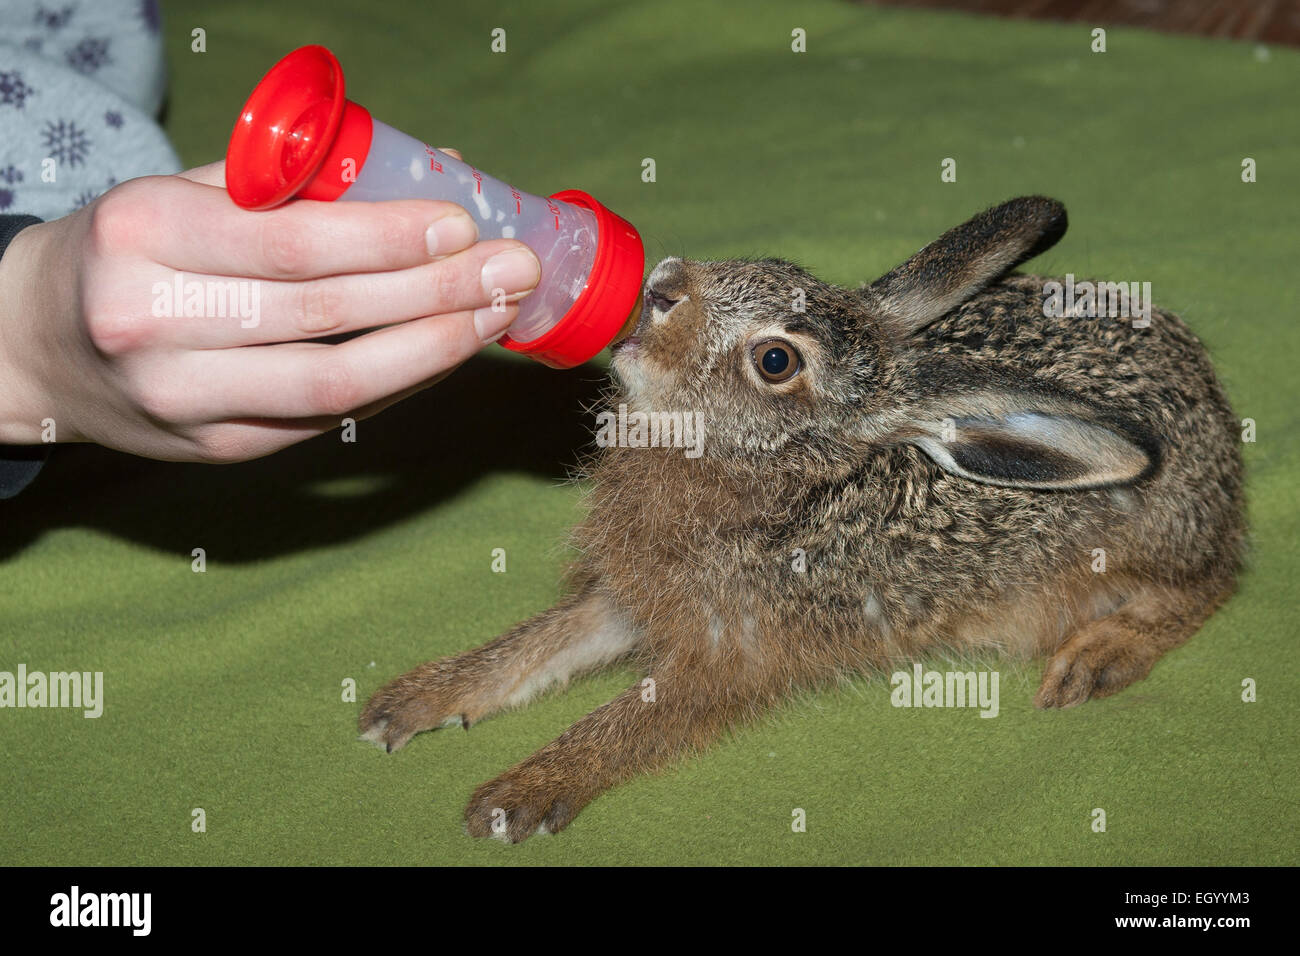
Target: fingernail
<point x="514" y="271"/>
<point x="450" y="234"/>
<point x="491" y="324"/>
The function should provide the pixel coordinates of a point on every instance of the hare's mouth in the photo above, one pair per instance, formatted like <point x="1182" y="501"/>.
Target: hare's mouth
<point x="628" y="339"/>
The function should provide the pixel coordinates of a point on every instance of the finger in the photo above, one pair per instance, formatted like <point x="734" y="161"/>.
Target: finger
<point x="213" y="174"/>
<point x="374" y="408"/>
<point x="307" y="379"/>
<point x="453" y="153"/>
<point x="228" y="442"/>
<point x="252" y="312"/>
<point x="194" y="228"/>
<point x="246" y="439"/>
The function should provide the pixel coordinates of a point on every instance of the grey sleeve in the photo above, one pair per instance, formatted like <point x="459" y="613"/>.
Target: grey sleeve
<point x="79" y="84"/>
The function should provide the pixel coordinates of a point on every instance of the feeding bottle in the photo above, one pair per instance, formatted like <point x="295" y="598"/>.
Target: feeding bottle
<point x="299" y="137"/>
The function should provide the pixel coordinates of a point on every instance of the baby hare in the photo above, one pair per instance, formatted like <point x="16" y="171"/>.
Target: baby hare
<point x="929" y="462"/>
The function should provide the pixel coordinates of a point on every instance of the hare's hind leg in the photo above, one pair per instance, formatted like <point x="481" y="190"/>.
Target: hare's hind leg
<point x="579" y="634"/>
<point x="1107" y="654"/>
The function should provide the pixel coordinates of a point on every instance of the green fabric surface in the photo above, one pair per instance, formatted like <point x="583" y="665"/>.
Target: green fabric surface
<point x="334" y="561"/>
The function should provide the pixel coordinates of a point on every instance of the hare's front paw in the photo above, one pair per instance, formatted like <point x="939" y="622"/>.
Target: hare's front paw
<point x="422" y="699"/>
<point x="524" y="801"/>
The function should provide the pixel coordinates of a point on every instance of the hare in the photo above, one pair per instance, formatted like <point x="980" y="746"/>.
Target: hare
<point x="925" y="463"/>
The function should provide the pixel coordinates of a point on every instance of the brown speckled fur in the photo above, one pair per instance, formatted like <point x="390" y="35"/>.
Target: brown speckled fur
<point x="687" y="565"/>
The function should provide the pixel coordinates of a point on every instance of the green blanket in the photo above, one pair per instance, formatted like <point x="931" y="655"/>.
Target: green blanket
<point x="224" y="690"/>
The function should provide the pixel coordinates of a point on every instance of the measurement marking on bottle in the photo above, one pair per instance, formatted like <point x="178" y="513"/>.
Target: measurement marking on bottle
<point x="555" y="211"/>
<point x="478" y="181"/>
<point x="434" y="164"/>
<point x="518" y="200"/>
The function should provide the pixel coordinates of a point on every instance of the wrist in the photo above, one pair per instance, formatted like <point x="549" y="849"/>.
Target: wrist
<point x="23" y="407"/>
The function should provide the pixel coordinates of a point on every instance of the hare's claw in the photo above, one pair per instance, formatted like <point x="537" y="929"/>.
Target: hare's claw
<point x="375" y="734"/>
<point x="404" y="708"/>
<point x="523" y="802"/>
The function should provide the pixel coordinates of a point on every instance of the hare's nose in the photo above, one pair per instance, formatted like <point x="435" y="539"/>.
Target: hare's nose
<point x="658" y="302"/>
<point x="668" y="278"/>
<point x="667" y="284"/>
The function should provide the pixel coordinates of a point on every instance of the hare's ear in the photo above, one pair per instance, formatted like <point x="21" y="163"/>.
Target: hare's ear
<point x="963" y="260"/>
<point x="1030" y="440"/>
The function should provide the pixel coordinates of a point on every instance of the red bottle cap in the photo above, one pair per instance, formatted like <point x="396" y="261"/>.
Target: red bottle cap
<point x="612" y="293"/>
<point x="295" y="133"/>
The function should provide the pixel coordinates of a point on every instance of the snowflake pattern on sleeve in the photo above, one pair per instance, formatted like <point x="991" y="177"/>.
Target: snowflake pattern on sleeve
<point x="66" y="142"/>
<point x="52" y="20"/>
<point x="89" y="55"/>
<point x="13" y="90"/>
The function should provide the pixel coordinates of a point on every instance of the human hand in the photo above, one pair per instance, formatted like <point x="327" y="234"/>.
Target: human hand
<point x="82" y="341"/>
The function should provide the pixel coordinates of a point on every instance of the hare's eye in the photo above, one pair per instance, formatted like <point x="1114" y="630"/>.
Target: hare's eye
<point x="776" y="361"/>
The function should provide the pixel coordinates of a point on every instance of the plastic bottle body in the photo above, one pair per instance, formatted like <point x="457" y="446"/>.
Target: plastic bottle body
<point x="563" y="235"/>
<point x="299" y="137"/>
